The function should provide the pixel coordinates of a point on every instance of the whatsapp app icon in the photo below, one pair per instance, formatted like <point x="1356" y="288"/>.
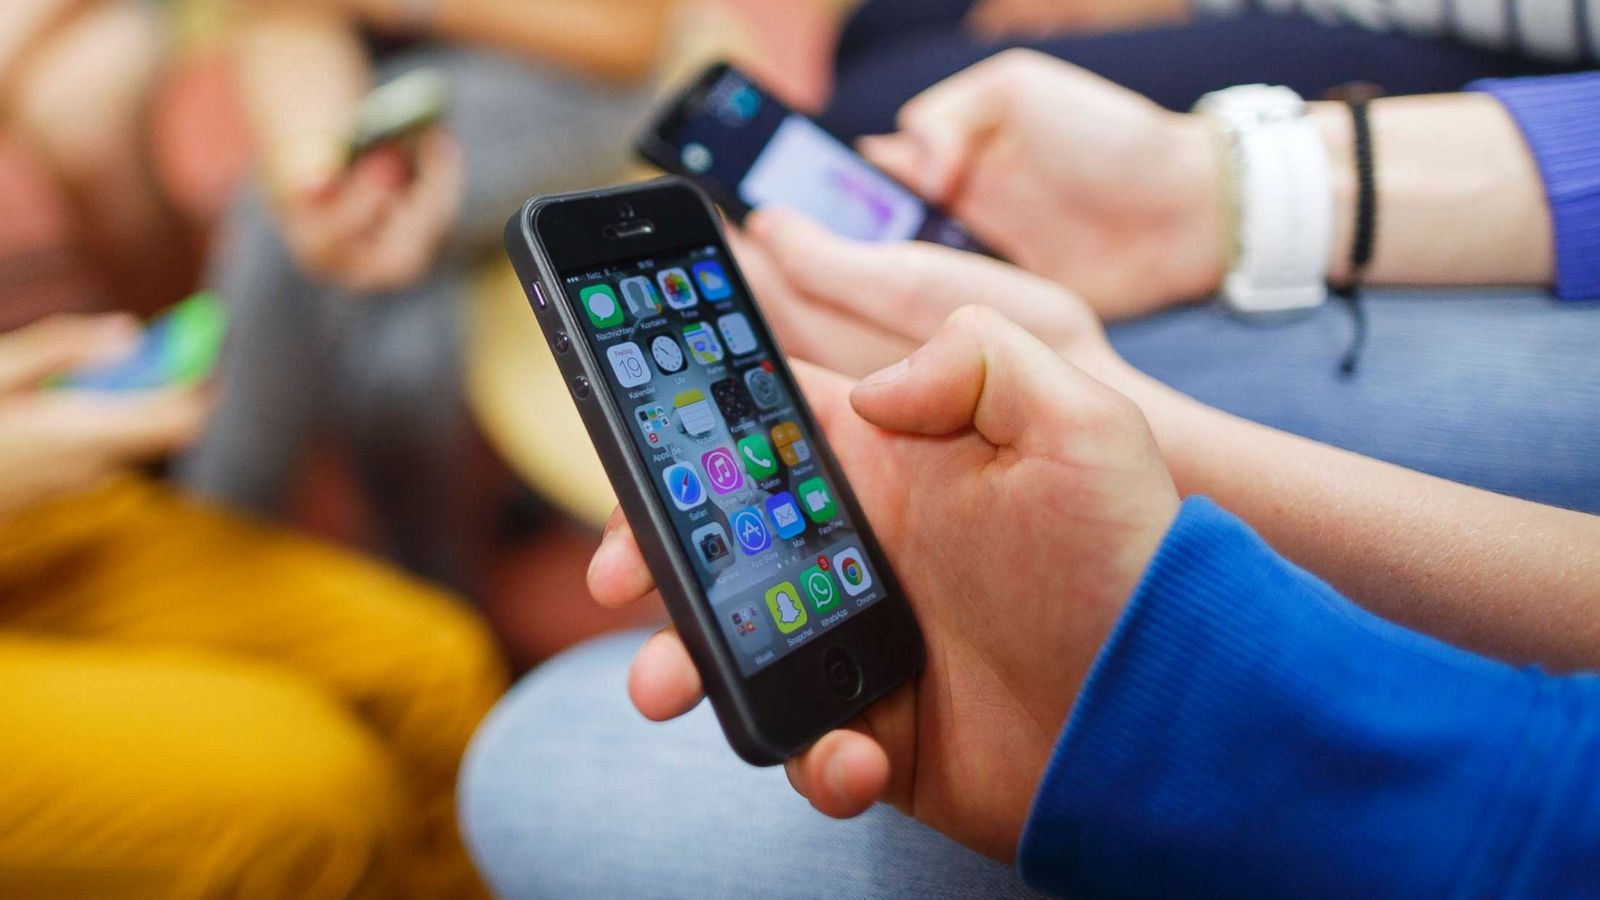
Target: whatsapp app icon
<point x="820" y="589"/>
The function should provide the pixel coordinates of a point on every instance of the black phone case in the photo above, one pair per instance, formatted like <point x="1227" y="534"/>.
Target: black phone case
<point x="672" y="569"/>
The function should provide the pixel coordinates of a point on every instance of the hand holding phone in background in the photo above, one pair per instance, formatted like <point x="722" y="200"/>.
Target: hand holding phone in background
<point x="370" y="212"/>
<point x="56" y="441"/>
<point x="1071" y="177"/>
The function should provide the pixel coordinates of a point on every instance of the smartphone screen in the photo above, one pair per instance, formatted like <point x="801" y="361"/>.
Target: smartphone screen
<point x="692" y="370"/>
<point x="749" y="150"/>
<point x="180" y="348"/>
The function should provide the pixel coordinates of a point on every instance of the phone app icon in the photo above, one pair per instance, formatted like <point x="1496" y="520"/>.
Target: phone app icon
<point x="750" y="530"/>
<point x="675" y="285"/>
<point x="785" y="515"/>
<point x="852" y="569"/>
<point x="764" y="388"/>
<point x="818" y="501"/>
<point x="730" y="399"/>
<point x="711" y="545"/>
<point x="783" y="602"/>
<point x="820" y="590"/>
<point x="703" y="343"/>
<point x="667" y="353"/>
<point x="713" y="281"/>
<point x="600" y="302"/>
<point x="654" y="423"/>
<point x="744" y="621"/>
<point x="722" y="471"/>
<point x="683" y="483"/>
<point x="758" y="457"/>
<point x="694" y="413"/>
<point x="641" y="296"/>
<point x="791" y="443"/>
<point x="627" y="361"/>
<point x="737" y="334"/>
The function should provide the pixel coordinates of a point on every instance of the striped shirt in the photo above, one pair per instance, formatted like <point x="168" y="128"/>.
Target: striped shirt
<point x="1566" y="31"/>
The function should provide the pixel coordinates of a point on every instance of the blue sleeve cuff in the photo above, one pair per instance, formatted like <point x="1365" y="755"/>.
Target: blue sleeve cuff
<point x="1248" y="732"/>
<point x="1560" y="118"/>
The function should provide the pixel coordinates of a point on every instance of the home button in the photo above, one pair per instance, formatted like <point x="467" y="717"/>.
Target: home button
<point x="839" y="669"/>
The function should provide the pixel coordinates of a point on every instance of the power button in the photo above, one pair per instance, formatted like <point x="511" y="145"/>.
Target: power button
<point x="580" y="387"/>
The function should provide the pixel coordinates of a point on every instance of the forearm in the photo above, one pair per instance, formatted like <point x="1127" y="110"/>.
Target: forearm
<point x="303" y="72"/>
<point x="1500" y="576"/>
<point x="1459" y="197"/>
<point x="614" y="39"/>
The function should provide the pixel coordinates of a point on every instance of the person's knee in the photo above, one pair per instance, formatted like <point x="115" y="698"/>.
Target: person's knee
<point x="296" y="800"/>
<point x="533" y="734"/>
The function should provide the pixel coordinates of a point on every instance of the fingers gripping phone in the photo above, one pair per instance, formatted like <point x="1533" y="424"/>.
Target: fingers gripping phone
<point x="767" y="565"/>
<point x="746" y="149"/>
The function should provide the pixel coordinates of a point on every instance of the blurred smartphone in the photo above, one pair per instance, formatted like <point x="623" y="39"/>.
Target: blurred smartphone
<point x="179" y="348"/>
<point x="763" y="556"/>
<point x="746" y="149"/>
<point x="400" y="110"/>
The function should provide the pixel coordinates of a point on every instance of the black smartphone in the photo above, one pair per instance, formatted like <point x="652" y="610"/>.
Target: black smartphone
<point x="766" y="562"/>
<point x="747" y="149"/>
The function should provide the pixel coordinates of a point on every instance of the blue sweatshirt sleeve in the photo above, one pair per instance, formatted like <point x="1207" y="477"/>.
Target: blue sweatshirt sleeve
<point x="1247" y="732"/>
<point x="1560" y="118"/>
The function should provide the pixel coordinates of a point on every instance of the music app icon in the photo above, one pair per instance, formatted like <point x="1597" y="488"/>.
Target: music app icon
<point x="722" y="471"/>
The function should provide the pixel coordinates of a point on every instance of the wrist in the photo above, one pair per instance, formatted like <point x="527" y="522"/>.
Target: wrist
<point x="1201" y="235"/>
<point x="1332" y="121"/>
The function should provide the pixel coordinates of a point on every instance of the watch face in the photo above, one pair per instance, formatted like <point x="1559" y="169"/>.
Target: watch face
<point x="669" y="356"/>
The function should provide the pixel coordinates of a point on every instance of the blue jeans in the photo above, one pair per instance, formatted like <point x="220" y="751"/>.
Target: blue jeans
<point x="1492" y="388"/>
<point x="568" y="792"/>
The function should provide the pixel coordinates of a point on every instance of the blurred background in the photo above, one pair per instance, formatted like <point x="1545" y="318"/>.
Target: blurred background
<point x="133" y="135"/>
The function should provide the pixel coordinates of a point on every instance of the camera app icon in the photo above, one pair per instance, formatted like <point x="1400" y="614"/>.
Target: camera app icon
<point x="711" y="545"/>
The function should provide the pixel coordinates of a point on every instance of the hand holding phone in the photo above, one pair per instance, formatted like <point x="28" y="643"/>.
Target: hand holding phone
<point x="767" y="564"/>
<point x="745" y="148"/>
<point x="1021" y="501"/>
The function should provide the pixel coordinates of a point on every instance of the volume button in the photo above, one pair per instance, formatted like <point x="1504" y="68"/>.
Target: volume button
<point x="580" y="387"/>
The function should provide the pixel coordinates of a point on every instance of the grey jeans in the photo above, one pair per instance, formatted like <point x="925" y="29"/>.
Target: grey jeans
<point x="567" y="792"/>
<point x="383" y="373"/>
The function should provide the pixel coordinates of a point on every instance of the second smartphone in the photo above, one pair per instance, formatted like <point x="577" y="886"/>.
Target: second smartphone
<point x="747" y="150"/>
<point x="765" y="560"/>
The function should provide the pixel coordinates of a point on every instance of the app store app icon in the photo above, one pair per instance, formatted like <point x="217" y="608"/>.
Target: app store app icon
<point x="750" y="530"/>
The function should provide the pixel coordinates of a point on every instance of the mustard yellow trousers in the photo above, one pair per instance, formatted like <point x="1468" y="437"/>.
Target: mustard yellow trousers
<point x="192" y="705"/>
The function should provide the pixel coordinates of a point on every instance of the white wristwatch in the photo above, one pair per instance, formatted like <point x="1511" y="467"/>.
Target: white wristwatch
<point x="1280" y="193"/>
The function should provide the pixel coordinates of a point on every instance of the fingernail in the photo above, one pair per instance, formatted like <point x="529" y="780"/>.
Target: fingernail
<point x="884" y="376"/>
<point x="837" y="775"/>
